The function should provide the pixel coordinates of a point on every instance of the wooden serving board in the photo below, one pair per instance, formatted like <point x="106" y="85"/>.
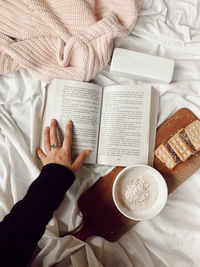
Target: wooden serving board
<point x="101" y="217"/>
<point x="183" y="170"/>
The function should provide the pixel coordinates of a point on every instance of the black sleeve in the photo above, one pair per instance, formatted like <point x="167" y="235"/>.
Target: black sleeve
<point x="23" y="227"/>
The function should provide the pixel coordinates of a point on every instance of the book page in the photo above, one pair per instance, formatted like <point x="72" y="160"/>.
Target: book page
<point x="81" y="103"/>
<point x="153" y="124"/>
<point x="124" y="131"/>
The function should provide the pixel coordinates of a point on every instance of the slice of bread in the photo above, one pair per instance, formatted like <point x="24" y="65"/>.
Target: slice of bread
<point x="165" y="157"/>
<point x="187" y="141"/>
<point x="179" y="146"/>
<point x="171" y="151"/>
<point x="193" y="133"/>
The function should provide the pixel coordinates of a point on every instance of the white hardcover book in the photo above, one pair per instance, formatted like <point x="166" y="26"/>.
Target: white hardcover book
<point x="140" y="66"/>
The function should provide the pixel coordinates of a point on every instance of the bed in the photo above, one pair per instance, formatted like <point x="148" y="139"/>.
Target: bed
<point x="172" y="239"/>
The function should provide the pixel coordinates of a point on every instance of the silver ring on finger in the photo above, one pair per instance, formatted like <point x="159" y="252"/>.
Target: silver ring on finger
<point x="53" y="146"/>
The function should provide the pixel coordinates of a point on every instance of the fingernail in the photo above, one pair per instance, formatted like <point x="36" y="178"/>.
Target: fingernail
<point x="88" y="152"/>
<point x="69" y="121"/>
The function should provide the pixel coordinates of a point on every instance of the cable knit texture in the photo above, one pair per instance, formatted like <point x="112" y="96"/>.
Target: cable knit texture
<point x="65" y="39"/>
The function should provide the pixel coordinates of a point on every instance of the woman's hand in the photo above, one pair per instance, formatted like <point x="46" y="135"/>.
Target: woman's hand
<point x="60" y="154"/>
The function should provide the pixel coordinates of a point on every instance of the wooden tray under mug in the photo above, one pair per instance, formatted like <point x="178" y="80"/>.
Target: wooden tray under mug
<point x="101" y="217"/>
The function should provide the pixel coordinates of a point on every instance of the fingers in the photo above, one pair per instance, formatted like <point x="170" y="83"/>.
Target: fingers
<point x="60" y="155"/>
<point x="79" y="160"/>
<point x="53" y="133"/>
<point x="67" y="143"/>
<point x="47" y="139"/>
<point x="41" y="155"/>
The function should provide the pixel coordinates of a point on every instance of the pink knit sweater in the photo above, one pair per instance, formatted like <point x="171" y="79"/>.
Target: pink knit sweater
<point x="66" y="39"/>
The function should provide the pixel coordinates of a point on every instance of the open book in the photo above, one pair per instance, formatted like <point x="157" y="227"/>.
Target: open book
<point x="116" y="122"/>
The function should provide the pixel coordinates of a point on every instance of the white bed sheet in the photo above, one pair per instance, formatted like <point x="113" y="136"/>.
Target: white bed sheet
<point x="166" y="28"/>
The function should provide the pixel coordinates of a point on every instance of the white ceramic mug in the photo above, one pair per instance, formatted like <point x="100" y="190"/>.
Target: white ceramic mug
<point x="162" y="192"/>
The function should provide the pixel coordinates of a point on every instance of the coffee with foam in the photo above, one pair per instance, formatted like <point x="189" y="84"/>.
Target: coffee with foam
<point x="139" y="192"/>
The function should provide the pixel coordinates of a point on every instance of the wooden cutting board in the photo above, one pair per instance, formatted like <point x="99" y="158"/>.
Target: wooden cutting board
<point x="101" y="217"/>
<point x="183" y="170"/>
